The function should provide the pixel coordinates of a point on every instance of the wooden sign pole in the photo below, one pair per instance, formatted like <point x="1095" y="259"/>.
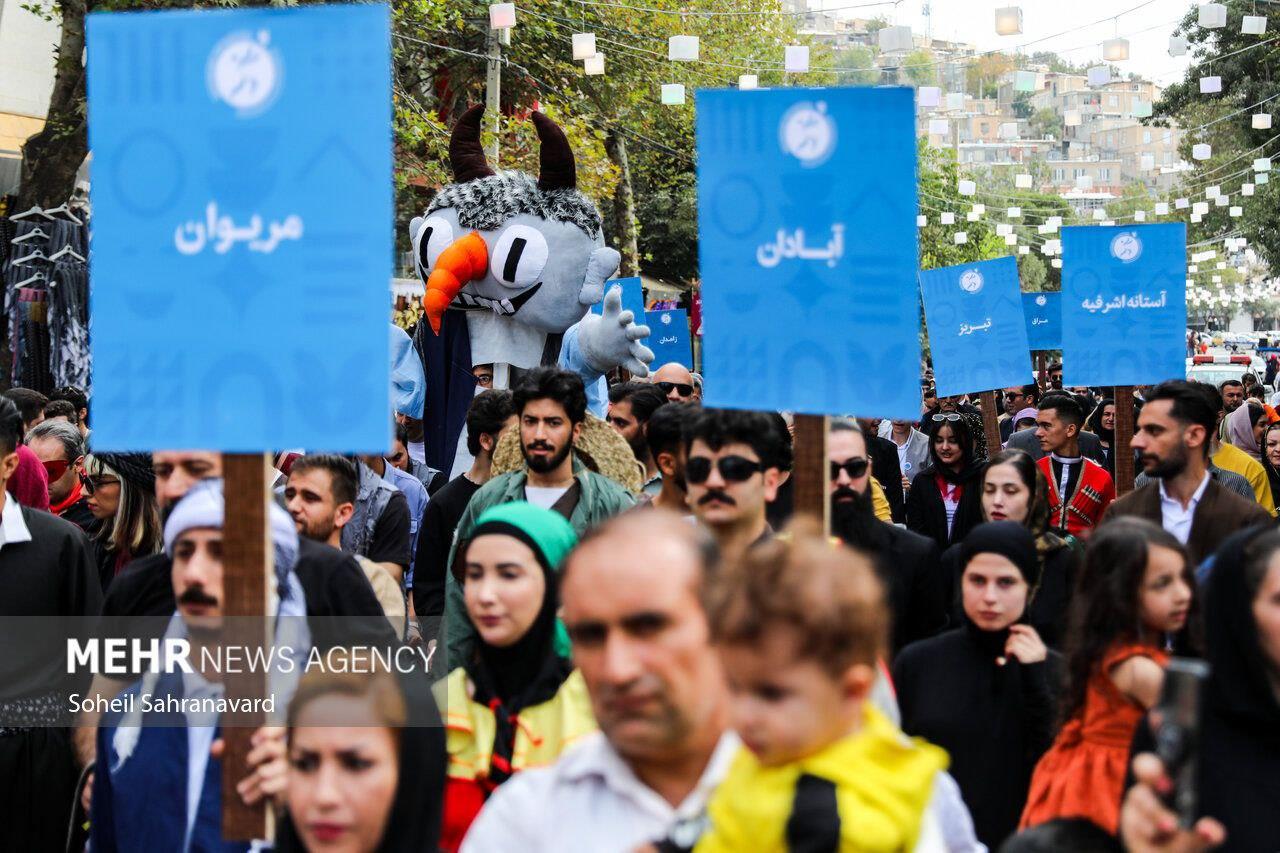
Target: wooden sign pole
<point x="990" y="421"/>
<point x="247" y="563"/>
<point x="1123" y="395"/>
<point x="811" y="470"/>
<point x="1041" y="364"/>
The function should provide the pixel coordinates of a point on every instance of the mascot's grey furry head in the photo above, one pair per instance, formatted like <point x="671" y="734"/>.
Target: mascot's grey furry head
<point x="532" y="250"/>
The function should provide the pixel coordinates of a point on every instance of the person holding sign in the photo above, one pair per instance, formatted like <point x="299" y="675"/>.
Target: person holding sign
<point x="1080" y="489"/>
<point x="945" y="502"/>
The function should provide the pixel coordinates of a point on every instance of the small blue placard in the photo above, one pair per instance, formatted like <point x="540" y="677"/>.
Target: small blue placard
<point x="242" y="248"/>
<point x="669" y="337"/>
<point x="632" y="297"/>
<point x="976" y="332"/>
<point x="1124" y="307"/>
<point x="807" y="242"/>
<point x="1043" y="312"/>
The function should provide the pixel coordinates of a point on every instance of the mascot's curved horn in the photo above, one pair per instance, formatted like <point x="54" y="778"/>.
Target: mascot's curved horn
<point x="466" y="155"/>
<point x="556" y="170"/>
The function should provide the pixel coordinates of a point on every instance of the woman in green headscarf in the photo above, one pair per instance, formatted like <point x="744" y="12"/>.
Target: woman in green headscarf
<point x="517" y="702"/>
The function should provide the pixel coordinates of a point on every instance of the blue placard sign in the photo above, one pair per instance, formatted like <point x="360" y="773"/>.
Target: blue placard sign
<point x="976" y="332"/>
<point x="242" y="195"/>
<point x="807" y="242"/>
<point x="669" y="337"/>
<point x="1043" y="312"/>
<point x="1124" y="308"/>
<point x="632" y="297"/>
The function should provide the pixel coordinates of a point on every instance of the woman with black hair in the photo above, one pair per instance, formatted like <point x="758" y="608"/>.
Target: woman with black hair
<point x="985" y="691"/>
<point x="1102" y="423"/>
<point x="1271" y="459"/>
<point x="945" y="501"/>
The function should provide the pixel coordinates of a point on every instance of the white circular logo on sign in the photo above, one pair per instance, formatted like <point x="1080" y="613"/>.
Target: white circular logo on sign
<point x="1126" y="247"/>
<point x="808" y="133"/>
<point x="244" y="72"/>
<point x="666" y="319"/>
<point x="1041" y="301"/>
<point x="971" y="281"/>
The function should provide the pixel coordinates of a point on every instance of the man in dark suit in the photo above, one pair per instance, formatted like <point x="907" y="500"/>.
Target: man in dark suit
<point x="905" y="561"/>
<point x="1172" y="439"/>
<point x="885" y="467"/>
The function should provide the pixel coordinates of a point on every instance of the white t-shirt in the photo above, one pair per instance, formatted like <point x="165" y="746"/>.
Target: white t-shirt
<point x="544" y="497"/>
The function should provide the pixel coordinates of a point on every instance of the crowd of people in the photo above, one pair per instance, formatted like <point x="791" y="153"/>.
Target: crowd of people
<point x="628" y="640"/>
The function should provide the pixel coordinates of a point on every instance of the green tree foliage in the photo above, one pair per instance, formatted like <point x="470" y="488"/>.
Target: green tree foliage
<point x="1046" y="122"/>
<point x="939" y="179"/>
<point x="919" y="68"/>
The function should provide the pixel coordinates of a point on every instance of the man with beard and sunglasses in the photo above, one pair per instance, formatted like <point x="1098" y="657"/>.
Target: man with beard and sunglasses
<point x="675" y="380"/>
<point x="905" y="561"/>
<point x="1173" y="439"/>
<point x="551" y="405"/>
<point x="730" y="469"/>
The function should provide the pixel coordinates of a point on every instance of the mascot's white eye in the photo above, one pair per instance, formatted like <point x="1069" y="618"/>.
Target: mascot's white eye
<point x="434" y="237"/>
<point x="519" y="256"/>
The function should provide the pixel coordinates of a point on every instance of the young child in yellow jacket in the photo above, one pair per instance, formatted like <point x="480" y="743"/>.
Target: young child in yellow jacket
<point x="799" y="625"/>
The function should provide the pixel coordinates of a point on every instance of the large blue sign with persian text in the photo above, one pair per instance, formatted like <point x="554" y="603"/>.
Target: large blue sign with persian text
<point x="1124" y="304"/>
<point x="242" y="247"/>
<point x="976" y="333"/>
<point x="1043" y="313"/>
<point x="807" y="241"/>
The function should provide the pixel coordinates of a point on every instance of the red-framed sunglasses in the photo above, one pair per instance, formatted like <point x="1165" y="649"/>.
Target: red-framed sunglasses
<point x="55" y="468"/>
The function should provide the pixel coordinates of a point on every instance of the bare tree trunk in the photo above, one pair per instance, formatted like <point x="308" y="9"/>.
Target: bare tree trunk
<point x="625" y="229"/>
<point x="51" y="157"/>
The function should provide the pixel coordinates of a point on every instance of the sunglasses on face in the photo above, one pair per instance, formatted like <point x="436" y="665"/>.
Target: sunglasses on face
<point x="855" y="468"/>
<point x="733" y="469"/>
<point x="56" y="468"/>
<point x="946" y="416"/>
<point x="683" y="389"/>
<point x="92" y="484"/>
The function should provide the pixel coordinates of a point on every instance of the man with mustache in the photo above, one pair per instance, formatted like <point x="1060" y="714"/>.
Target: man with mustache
<point x="551" y="404"/>
<point x="1173" y="440"/>
<point x="905" y="560"/>
<point x="731" y="474"/>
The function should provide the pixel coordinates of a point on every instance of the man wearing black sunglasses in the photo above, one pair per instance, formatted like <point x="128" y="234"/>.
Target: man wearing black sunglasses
<point x="904" y="560"/>
<point x="676" y="382"/>
<point x="732" y="474"/>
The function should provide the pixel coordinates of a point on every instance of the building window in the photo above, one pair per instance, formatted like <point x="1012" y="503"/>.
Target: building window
<point x="1059" y="175"/>
<point x="1113" y="100"/>
<point x="1077" y="173"/>
<point x="1146" y="137"/>
<point x="1104" y="175"/>
<point x="986" y="128"/>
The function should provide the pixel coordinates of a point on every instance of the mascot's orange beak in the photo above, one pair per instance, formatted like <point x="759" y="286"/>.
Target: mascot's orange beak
<point x="466" y="259"/>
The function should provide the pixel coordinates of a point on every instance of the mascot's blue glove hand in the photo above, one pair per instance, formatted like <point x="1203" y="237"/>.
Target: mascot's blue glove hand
<point x="602" y="265"/>
<point x="612" y="339"/>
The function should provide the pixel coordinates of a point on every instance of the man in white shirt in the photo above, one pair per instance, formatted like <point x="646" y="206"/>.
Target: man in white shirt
<point x="631" y="601"/>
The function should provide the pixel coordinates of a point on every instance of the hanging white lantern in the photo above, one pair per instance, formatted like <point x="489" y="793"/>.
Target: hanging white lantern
<point x="1107" y="223"/>
<point x="1246" y="189"/>
<point x="747" y="82"/>
<point x="1202" y="151"/>
<point x="1084" y="182"/>
<point x="1147" y="162"/>
<point x="1222" y="201"/>
<point x="594" y="65"/>
<point x="1213" y="192"/>
<point x="922" y="221"/>
<point x="955" y="101"/>
<point x="1003" y="229"/>
<point x="1210" y="85"/>
<point x="502" y="16"/>
<point x="1009" y="21"/>
<point x="1011" y="239"/>
<point x="1181" y="203"/>
<point x="1177" y="46"/>
<point x="1014" y="213"/>
<point x="1115" y="50"/>
<point x="796" y="58"/>
<point x="1056" y="263"/>
<point x="1213" y="15"/>
<point x="1024" y="81"/>
<point x="1162" y="208"/>
<point x="1024" y="250"/>
<point x="1099" y="213"/>
<point x="682" y="48"/>
<point x="980" y="209"/>
<point x="1261" y="178"/>
<point x="895" y="39"/>
<point x="1197" y="217"/>
<point x="1142" y="109"/>
<point x="967" y="187"/>
<point x="673" y="94"/>
<point x="939" y="127"/>
<point x="1262" y="164"/>
<point x="1254" y="25"/>
<point x="1043" y="229"/>
<point x="1193" y="268"/>
<point x="1022" y="181"/>
<point x="584" y="45"/>
<point x="1071" y="118"/>
<point x="1139" y="216"/>
<point x="1261" y="121"/>
<point x="1235" y="211"/>
<point x="1200" y="207"/>
<point x="971" y="217"/>
<point x="1008" y="130"/>
<point x="948" y="218"/>
<point x="1099" y="75"/>
<point x="1054" y="222"/>
<point x="961" y="238"/>
<point x="928" y="96"/>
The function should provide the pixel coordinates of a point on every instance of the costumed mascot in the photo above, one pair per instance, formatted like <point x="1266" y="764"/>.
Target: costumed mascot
<point x="511" y="265"/>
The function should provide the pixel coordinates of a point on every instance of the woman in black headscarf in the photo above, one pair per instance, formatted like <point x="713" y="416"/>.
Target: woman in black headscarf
<point x="984" y="691"/>
<point x="945" y="501"/>
<point x="1238" y="773"/>
<point x="1102" y="423"/>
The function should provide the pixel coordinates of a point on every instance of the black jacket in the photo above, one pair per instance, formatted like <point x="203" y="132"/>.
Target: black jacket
<point x="927" y="515"/>
<point x="886" y="468"/>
